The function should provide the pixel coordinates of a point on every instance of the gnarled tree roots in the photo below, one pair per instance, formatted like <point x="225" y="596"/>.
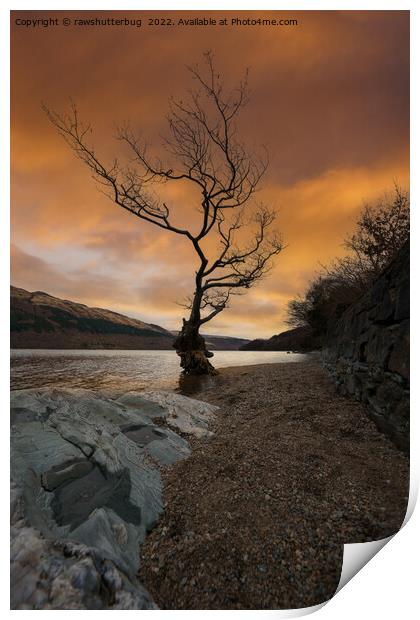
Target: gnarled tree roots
<point x="191" y="348"/>
<point x="196" y="363"/>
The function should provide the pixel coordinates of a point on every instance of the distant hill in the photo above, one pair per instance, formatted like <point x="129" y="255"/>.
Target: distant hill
<point x="298" y="339"/>
<point x="222" y="343"/>
<point x="41" y="321"/>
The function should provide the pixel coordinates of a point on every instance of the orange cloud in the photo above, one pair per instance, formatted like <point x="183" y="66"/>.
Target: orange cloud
<point x="330" y="101"/>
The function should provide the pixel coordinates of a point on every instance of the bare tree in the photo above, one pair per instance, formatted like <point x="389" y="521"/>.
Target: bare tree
<point x="324" y="300"/>
<point x="202" y="148"/>
<point x="382" y="229"/>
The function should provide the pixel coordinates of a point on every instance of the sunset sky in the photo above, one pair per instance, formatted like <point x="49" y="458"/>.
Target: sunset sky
<point x="330" y="99"/>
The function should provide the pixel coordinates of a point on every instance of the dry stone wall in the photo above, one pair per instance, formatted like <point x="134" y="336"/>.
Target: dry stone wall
<point x="367" y="352"/>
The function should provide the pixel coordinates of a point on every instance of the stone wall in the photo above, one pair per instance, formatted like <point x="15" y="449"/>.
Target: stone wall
<point x="367" y="352"/>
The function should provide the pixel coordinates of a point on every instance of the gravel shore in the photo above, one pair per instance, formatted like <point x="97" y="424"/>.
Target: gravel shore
<point x="257" y="516"/>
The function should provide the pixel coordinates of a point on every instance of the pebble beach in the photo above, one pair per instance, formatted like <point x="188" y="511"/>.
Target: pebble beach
<point x="257" y="515"/>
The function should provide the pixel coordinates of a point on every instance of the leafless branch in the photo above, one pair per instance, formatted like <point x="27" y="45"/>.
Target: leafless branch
<point x="201" y="148"/>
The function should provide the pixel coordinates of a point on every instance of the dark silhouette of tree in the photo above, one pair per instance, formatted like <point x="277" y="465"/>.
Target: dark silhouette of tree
<point x="324" y="300"/>
<point x="203" y="149"/>
<point x="381" y="231"/>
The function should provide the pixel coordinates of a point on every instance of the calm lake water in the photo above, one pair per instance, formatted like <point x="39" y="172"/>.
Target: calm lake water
<point x="120" y="370"/>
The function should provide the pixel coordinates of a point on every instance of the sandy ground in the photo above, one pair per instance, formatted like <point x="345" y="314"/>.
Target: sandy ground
<point x="256" y="518"/>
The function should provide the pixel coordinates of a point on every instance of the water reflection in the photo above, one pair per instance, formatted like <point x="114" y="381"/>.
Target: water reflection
<point x="191" y="385"/>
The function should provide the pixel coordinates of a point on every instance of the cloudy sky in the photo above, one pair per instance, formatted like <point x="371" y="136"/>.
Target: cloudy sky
<point x="330" y="99"/>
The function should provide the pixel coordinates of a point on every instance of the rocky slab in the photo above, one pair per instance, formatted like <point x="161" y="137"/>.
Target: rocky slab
<point x="87" y="488"/>
<point x="190" y="416"/>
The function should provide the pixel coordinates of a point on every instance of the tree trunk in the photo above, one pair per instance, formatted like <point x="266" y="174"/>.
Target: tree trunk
<point x="191" y="348"/>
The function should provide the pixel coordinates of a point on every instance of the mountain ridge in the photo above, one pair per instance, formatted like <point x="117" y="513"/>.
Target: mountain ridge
<point x="39" y="320"/>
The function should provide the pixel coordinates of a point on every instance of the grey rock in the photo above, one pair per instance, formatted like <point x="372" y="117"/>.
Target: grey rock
<point x="86" y="490"/>
<point x="53" y="478"/>
<point x="187" y="415"/>
<point x="48" y="573"/>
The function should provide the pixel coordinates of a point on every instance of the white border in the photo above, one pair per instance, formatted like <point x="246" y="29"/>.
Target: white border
<point x="387" y="586"/>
